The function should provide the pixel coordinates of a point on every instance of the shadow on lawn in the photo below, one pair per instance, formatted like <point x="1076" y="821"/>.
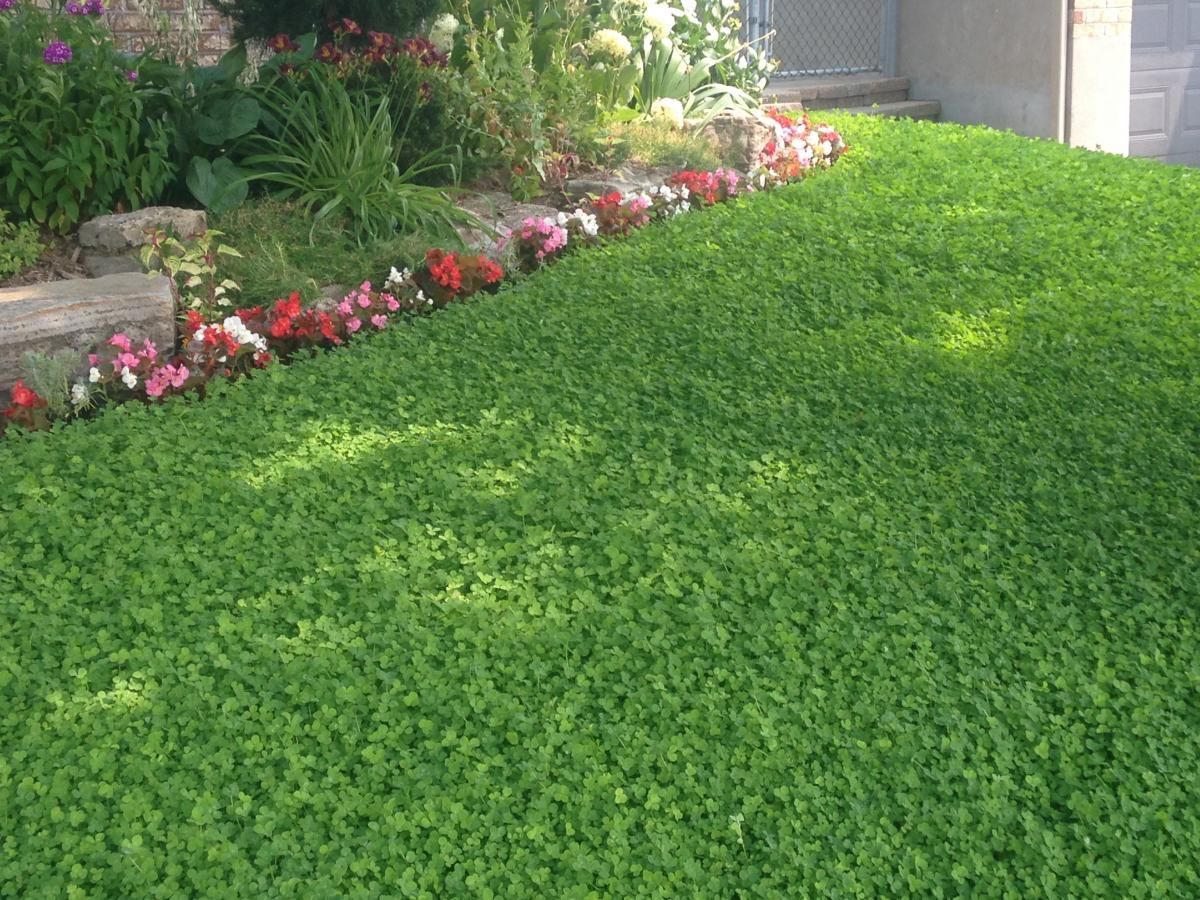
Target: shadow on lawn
<point x="865" y="567"/>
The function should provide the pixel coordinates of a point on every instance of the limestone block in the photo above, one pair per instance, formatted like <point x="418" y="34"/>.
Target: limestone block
<point x="498" y="212"/>
<point x="123" y="232"/>
<point x="80" y="314"/>
<point x="99" y="265"/>
<point x="739" y="138"/>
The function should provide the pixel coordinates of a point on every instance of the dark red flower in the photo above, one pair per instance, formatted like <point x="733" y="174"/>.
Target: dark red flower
<point x="425" y="52"/>
<point x="329" y="53"/>
<point x="381" y="40"/>
<point x="281" y="43"/>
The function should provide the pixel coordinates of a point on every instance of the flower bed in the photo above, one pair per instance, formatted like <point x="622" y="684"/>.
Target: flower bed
<point x="254" y="337"/>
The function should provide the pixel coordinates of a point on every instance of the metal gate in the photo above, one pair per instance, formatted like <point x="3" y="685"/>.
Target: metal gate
<point x="825" y="37"/>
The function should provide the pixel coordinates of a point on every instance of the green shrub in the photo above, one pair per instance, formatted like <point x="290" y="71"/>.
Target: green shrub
<point x="262" y="19"/>
<point x="20" y="246"/>
<point x="835" y="542"/>
<point x="525" y="110"/>
<point x="73" y="139"/>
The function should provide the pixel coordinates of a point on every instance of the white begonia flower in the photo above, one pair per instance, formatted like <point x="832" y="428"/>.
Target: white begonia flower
<point x="441" y="35"/>
<point x="128" y="378"/>
<point x="397" y="277"/>
<point x="667" y="109"/>
<point x="826" y="148"/>
<point x="587" y="223"/>
<point x="94" y="375"/>
<point x="80" y="393"/>
<point x="689" y="10"/>
<point x="659" y="20"/>
<point x="611" y="44"/>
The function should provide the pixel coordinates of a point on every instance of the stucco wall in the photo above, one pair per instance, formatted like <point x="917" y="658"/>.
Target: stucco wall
<point x="1100" y="79"/>
<point x="993" y="62"/>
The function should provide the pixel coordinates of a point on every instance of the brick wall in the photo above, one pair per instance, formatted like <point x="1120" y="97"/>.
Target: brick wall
<point x="206" y="36"/>
<point x="1101" y="18"/>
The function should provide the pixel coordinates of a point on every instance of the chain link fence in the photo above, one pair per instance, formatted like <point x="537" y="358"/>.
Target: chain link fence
<point x="823" y="37"/>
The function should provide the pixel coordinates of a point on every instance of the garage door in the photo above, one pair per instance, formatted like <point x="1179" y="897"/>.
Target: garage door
<point x="1164" y="111"/>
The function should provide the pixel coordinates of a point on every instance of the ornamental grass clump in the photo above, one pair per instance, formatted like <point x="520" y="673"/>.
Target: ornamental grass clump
<point x="334" y="151"/>
<point x="410" y="72"/>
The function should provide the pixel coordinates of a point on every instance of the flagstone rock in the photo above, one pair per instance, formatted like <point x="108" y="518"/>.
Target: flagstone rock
<point x="739" y="137"/>
<point x="125" y="232"/>
<point x="80" y="314"/>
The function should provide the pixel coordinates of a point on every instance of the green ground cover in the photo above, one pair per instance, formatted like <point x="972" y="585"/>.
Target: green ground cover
<point x="839" y="541"/>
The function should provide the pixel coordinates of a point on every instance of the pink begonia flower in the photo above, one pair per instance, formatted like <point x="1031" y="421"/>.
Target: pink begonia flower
<point x="93" y="359"/>
<point x="638" y="203"/>
<point x="352" y="325"/>
<point x="345" y="308"/>
<point x="379" y="321"/>
<point x="392" y="303"/>
<point x="149" y="351"/>
<point x="364" y="301"/>
<point x="122" y="341"/>
<point x="166" y="376"/>
<point x="156" y="384"/>
<point x="365" y="287"/>
<point x="179" y="375"/>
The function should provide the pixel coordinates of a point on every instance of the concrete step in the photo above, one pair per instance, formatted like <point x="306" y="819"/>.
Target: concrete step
<point x="836" y="91"/>
<point x="857" y="100"/>
<point x="908" y="109"/>
<point x="903" y="109"/>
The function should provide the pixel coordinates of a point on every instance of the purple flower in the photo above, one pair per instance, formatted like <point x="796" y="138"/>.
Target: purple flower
<point x="94" y="7"/>
<point x="131" y="75"/>
<point x="57" y="53"/>
<point x="74" y="9"/>
<point x="7" y="4"/>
